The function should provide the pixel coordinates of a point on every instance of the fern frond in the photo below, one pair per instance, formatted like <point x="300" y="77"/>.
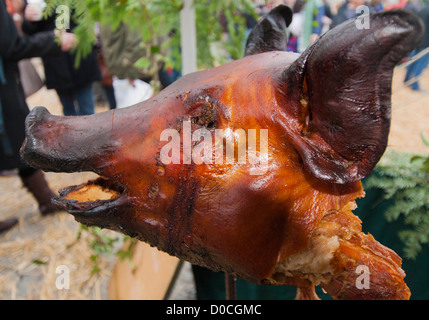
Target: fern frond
<point x="404" y="178"/>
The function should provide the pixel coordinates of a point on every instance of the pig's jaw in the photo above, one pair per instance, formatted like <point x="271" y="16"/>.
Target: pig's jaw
<point x="93" y="201"/>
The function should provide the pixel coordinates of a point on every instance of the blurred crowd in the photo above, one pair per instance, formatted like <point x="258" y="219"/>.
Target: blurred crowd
<point x="312" y="18"/>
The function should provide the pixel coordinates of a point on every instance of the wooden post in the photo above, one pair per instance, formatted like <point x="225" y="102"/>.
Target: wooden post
<point x="188" y="37"/>
<point x="230" y="286"/>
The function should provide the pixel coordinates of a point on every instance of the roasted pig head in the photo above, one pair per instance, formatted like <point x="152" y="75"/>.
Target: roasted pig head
<point x="250" y="168"/>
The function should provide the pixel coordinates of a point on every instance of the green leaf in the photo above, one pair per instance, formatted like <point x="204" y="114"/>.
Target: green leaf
<point x="404" y="178"/>
<point x="39" y="262"/>
<point x="158" y="20"/>
<point x="425" y="141"/>
<point x="417" y="158"/>
<point x="95" y="269"/>
<point x="155" y="49"/>
<point x="425" y="165"/>
<point x="143" y="63"/>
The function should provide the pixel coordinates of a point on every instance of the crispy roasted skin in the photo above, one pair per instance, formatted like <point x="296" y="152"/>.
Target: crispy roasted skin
<point x="291" y="224"/>
<point x="385" y="276"/>
<point x="198" y="212"/>
<point x="350" y="264"/>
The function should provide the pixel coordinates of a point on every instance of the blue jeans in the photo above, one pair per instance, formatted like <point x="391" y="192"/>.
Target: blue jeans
<point x="82" y="95"/>
<point x="110" y="95"/>
<point x="415" y="69"/>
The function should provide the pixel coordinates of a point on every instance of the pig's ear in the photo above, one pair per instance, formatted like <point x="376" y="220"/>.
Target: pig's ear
<point x="339" y="89"/>
<point x="270" y="32"/>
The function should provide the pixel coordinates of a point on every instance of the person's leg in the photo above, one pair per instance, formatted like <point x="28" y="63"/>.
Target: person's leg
<point x="85" y="99"/>
<point x="110" y="95"/>
<point x="34" y="180"/>
<point x="67" y="100"/>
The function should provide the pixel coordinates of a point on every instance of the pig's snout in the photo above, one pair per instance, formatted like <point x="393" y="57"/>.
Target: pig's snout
<point x="31" y="150"/>
<point x="64" y="144"/>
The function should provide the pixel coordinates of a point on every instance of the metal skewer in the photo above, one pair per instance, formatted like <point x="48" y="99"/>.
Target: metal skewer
<point x="230" y="286"/>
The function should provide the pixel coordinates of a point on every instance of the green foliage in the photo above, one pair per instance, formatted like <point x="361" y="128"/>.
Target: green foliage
<point x="159" y="24"/>
<point x="211" y="32"/>
<point x="85" y="28"/>
<point x="102" y="243"/>
<point x="38" y="262"/>
<point x="405" y="179"/>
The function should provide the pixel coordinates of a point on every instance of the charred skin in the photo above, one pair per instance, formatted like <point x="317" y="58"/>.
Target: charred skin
<point x="221" y="216"/>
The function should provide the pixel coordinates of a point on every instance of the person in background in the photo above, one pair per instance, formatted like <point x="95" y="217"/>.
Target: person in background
<point x="13" y="107"/>
<point x="295" y="28"/>
<point x="314" y="21"/>
<point x="106" y="77"/>
<point x="71" y="84"/>
<point x="310" y="20"/>
<point x="31" y="80"/>
<point x="121" y="48"/>
<point x="347" y="11"/>
<point x="395" y="4"/>
<point x="376" y="5"/>
<point x="107" y="81"/>
<point x="414" y="5"/>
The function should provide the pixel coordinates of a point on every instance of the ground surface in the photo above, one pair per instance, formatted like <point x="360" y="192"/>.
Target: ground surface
<point x="31" y="254"/>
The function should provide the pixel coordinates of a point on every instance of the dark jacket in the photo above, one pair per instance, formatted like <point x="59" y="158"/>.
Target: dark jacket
<point x="344" y="13"/>
<point x="60" y="70"/>
<point x="14" y="109"/>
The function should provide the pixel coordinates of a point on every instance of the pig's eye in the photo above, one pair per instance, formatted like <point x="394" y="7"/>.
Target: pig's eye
<point x="206" y="115"/>
<point x="204" y="112"/>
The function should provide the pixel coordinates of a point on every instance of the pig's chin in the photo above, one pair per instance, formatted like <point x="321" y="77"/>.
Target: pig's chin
<point x="91" y="200"/>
